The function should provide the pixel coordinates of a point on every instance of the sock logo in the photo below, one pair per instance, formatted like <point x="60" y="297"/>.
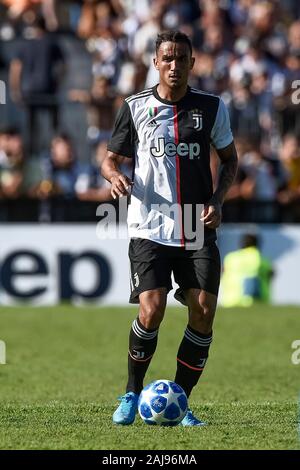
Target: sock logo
<point x="138" y="354"/>
<point x="202" y="362"/>
<point x="136" y="280"/>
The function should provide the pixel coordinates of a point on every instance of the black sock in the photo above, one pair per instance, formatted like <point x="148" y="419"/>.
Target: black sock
<point x="191" y="358"/>
<point x="142" y="345"/>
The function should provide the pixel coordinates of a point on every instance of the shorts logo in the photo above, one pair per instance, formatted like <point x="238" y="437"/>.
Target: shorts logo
<point x="136" y="280"/>
<point x="198" y="119"/>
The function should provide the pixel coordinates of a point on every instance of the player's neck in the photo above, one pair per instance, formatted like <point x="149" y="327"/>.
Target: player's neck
<point x="170" y="94"/>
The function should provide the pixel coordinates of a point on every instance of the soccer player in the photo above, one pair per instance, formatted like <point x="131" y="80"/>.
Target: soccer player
<point x="168" y="130"/>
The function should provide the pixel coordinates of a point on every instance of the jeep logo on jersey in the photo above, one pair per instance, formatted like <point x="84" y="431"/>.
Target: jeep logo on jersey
<point x="170" y="149"/>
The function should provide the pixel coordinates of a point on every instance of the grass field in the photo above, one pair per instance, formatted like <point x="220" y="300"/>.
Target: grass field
<point x="66" y="366"/>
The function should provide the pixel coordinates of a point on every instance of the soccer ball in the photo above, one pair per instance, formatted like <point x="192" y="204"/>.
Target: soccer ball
<point x="162" y="402"/>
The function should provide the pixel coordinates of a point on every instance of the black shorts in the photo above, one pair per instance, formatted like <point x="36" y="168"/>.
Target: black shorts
<point x="152" y="264"/>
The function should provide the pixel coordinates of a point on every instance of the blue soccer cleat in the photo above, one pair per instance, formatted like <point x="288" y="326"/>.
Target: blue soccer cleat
<point x="190" y="420"/>
<point x="126" y="411"/>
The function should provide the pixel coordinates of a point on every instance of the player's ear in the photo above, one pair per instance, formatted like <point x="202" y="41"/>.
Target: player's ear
<point x="155" y="62"/>
<point x="192" y="62"/>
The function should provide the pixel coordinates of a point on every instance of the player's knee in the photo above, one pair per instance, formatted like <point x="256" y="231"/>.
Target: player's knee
<point x="152" y="314"/>
<point x="202" y="317"/>
<point x="205" y="310"/>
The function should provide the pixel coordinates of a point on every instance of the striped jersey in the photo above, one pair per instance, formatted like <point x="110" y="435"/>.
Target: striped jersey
<point x="170" y="144"/>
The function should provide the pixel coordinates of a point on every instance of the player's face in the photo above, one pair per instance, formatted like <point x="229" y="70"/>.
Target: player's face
<point x="174" y="62"/>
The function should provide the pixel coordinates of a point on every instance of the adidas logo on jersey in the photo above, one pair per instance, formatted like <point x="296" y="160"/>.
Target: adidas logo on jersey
<point x="152" y="123"/>
<point x="170" y="149"/>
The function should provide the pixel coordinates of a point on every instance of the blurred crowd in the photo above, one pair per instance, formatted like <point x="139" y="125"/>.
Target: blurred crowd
<point x="247" y="51"/>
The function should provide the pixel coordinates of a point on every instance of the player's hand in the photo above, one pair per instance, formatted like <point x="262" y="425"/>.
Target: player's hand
<point x="211" y="215"/>
<point x="120" y="185"/>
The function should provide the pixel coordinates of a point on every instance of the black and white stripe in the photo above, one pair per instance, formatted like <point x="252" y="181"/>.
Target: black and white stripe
<point x="198" y="340"/>
<point x="201" y="92"/>
<point x="141" y="94"/>
<point x="141" y="333"/>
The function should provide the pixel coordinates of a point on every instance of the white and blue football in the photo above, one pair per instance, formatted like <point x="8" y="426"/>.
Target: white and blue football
<point x="162" y="402"/>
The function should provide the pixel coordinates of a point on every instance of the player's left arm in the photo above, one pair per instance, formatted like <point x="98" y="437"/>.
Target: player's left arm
<point x="222" y="140"/>
<point x="212" y="214"/>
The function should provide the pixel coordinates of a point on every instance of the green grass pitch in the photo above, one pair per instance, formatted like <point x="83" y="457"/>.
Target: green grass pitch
<point x="66" y="366"/>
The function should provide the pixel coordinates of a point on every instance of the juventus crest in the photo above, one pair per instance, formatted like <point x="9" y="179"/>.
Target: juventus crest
<point x="197" y="119"/>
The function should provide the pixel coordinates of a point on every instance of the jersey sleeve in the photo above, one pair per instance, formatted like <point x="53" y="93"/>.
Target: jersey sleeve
<point x="123" y="137"/>
<point x="221" y="134"/>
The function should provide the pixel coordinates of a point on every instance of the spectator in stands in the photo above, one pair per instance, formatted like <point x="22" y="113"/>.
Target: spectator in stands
<point x="96" y="25"/>
<point x="90" y="184"/>
<point x="11" y="164"/>
<point x="248" y="51"/>
<point x="18" y="176"/>
<point x="143" y="49"/>
<point x="56" y="190"/>
<point x="289" y="196"/>
<point x="243" y="110"/>
<point x="294" y="36"/>
<point x="247" y="275"/>
<point x="34" y="78"/>
<point x="262" y="98"/>
<point x="260" y="186"/>
<point x="96" y="16"/>
<point x="235" y="209"/>
<point x="59" y="169"/>
<point x="17" y="8"/>
<point x="101" y="109"/>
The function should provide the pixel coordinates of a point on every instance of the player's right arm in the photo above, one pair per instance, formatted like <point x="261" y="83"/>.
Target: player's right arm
<point x="120" y="183"/>
<point x="122" y="144"/>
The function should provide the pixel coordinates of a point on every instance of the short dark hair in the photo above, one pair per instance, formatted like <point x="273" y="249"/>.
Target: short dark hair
<point x="172" y="36"/>
<point x="40" y="23"/>
<point x="63" y="136"/>
<point x="250" y="239"/>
